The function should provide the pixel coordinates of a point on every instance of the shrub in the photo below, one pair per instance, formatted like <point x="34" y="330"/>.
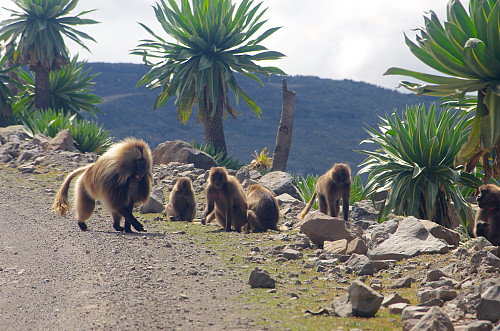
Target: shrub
<point x="261" y="161"/>
<point x="87" y="135"/>
<point x="47" y="122"/>
<point x="305" y="187"/>
<point x="414" y="161"/>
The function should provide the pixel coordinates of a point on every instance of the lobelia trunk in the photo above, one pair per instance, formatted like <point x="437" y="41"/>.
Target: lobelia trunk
<point x="285" y="128"/>
<point x="42" y="87"/>
<point x="214" y="130"/>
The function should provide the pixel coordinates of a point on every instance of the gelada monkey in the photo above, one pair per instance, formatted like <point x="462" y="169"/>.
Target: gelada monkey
<point x="487" y="221"/>
<point x="182" y="204"/>
<point x="225" y="194"/>
<point x="263" y="212"/>
<point x="121" y="178"/>
<point x="330" y="188"/>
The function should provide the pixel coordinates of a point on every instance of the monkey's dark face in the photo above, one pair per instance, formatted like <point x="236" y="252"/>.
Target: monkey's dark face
<point x="340" y="175"/>
<point x="218" y="178"/>
<point x="487" y="199"/>
<point x="140" y="169"/>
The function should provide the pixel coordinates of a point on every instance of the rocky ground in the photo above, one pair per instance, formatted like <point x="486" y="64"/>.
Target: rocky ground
<point x="188" y="276"/>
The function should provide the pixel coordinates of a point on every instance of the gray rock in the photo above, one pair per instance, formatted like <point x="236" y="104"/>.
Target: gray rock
<point x="26" y="168"/>
<point x="13" y="130"/>
<point x="434" y="320"/>
<point x="61" y="142"/>
<point x="411" y="315"/>
<point x="155" y="204"/>
<point x="24" y="156"/>
<point x="292" y="254"/>
<point x="434" y="275"/>
<point x="479" y="326"/>
<point x="335" y="247"/>
<point x="363" y="224"/>
<point x="287" y="199"/>
<point x="485" y="257"/>
<point x="247" y="182"/>
<point x="280" y="182"/>
<point x="488" y="307"/>
<point x="363" y="210"/>
<point x="342" y="307"/>
<point x="320" y="227"/>
<point x="438" y="231"/>
<point x="10" y="149"/>
<point x="397" y="308"/>
<point x="242" y="174"/>
<point x="5" y="158"/>
<point x="41" y="140"/>
<point x="261" y="278"/>
<point x="442" y="282"/>
<point x="360" y="264"/>
<point x="435" y="302"/>
<point x="255" y="175"/>
<point x="410" y="239"/>
<point x="364" y="300"/>
<point x="478" y="244"/>
<point x="403" y="282"/>
<point x="180" y="151"/>
<point x="444" y="293"/>
<point x="358" y="246"/>
<point x="383" y="264"/>
<point x="380" y="232"/>
<point x="394" y="298"/>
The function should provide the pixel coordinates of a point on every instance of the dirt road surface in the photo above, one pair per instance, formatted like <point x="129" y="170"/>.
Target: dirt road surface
<point x="55" y="277"/>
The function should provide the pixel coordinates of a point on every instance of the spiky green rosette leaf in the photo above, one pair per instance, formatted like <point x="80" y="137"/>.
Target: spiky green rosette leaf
<point x="213" y="39"/>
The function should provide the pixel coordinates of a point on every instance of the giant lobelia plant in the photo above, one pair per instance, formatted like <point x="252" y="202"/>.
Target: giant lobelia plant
<point x="36" y="30"/>
<point x="213" y="40"/>
<point x="466" y="48"/>
<point x="414" y="162"/>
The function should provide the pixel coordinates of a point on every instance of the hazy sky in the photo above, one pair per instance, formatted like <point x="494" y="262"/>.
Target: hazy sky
<point x="326" y="38"/>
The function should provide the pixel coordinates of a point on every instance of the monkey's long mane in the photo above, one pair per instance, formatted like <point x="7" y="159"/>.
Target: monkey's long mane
<point x="112" y="173"/>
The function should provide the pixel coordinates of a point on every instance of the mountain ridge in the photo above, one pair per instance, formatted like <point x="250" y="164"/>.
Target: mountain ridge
<point x="329" y="116"/>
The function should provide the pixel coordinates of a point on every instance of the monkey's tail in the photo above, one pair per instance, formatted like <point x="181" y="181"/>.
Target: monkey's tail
<point x="61" y="205"/>
<point x="308" y="207"/>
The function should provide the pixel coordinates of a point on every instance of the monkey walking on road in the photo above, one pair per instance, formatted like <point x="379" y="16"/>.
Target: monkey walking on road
<point x="121" y="178"/>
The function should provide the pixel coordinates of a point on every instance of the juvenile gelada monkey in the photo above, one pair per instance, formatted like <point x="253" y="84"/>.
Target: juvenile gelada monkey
<point x="225" y="194"/>
<point x="263" y="212"/>
<point x="182" y="204"/>
<point x="121" y="178"/>
<point x="330" y="188"/>
<point x="487" y="221"/>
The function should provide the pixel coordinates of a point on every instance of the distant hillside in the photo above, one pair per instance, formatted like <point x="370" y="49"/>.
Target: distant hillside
<point x="329" y="117"/>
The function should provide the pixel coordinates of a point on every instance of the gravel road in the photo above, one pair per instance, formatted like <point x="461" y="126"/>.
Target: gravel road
<point x="55" y="277"/>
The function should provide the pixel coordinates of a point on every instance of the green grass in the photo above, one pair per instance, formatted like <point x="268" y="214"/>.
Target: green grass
<point x="277" y="309"/>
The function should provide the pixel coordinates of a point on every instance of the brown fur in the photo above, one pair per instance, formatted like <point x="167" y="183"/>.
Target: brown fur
<point x="225" y="194"/>
<point x="182" y="204"/>
<point x="263" y="212"/>
<point x="121" y="178"/>
<point x="487" y="222"/>
<point x="330" y="188"/>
